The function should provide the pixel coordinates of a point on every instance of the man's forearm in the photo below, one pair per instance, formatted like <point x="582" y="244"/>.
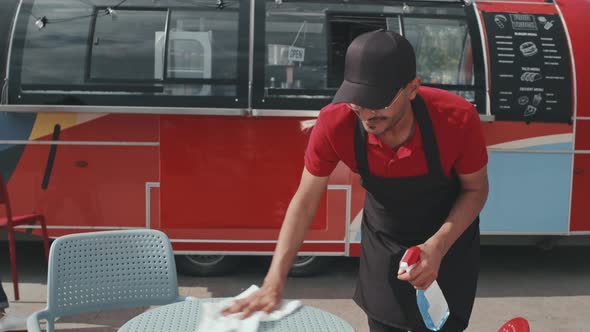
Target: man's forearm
<point x="297" y="221"/>
<point x="466" y="209"/>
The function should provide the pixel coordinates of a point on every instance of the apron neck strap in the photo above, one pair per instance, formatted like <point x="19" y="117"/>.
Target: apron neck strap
<point x="428" y="136"/>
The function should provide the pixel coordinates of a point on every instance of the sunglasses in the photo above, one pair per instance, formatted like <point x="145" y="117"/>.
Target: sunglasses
<point x="358" y="109"/>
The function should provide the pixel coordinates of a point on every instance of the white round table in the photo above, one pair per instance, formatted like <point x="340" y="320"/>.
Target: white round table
<point x="184" y="317"/>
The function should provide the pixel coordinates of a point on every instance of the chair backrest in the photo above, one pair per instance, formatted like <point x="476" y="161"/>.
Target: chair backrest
<point x="108" y="270"/>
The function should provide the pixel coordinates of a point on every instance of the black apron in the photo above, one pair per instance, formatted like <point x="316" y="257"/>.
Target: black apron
<point x="403" y="212"/>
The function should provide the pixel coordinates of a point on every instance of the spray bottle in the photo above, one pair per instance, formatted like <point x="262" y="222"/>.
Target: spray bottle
<point x="431" y="301"/>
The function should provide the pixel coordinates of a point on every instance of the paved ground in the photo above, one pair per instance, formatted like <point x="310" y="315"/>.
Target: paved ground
<point x="550" y="288"/>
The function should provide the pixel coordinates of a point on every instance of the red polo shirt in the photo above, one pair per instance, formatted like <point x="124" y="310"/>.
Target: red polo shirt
<point x="456" y="126"/>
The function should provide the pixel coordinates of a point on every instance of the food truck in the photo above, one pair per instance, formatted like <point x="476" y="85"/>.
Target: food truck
<point x="185" y="115"/>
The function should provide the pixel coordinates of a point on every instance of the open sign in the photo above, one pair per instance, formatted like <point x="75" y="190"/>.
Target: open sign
<point x="296" y="54"/>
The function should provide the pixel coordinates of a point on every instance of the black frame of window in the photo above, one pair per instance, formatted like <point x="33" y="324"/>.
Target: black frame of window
<point x="26" y="94"/>
<point x="10" y="9"/>
<point x="478" y="59"/>
<point x="262" y="101"/>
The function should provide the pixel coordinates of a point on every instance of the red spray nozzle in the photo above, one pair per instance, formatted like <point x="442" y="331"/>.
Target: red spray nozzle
<point x="410" y="258"/>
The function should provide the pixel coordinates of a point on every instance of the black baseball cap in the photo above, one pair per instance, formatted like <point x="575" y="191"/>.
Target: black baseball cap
<point x="377" y="65"/>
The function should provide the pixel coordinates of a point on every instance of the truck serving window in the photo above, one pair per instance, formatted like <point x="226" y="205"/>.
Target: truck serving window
<point x="307" y="42"/>
<point x="142" y="52"/>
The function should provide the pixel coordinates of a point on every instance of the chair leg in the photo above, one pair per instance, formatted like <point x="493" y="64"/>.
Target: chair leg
<point x="12" y="249"/>
<point x="45" y="237"/>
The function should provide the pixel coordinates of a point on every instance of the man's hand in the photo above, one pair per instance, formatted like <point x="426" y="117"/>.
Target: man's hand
<point x="426" y="271"/>
<point x="268" y="298"/>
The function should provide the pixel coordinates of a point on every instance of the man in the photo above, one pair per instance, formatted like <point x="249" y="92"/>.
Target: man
<point x="422" y="159"/>
<point x="8" y="322"/>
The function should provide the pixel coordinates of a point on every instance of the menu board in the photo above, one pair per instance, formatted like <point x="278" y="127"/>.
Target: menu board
<point x="530" y="67"/>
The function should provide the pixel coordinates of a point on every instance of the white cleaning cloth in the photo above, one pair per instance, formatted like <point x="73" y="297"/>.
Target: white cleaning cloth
<point x="213" y="320"/>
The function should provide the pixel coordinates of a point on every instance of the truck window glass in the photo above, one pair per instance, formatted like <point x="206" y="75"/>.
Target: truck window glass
<point x="443" y="51"/>
<point x="134" y="54"/>
<point x="123" y="46"/>
<point x="201" y="46"/>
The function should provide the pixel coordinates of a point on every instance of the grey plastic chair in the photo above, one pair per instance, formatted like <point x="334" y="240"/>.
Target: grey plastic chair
<point x="107" y="270"/>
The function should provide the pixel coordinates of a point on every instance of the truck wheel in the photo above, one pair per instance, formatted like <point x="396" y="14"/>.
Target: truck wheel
<point x="306" y="266"/>
<point x="206" y="265"/>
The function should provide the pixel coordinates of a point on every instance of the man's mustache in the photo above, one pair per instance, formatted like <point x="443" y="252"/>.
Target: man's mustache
<point x="376" y="118"/>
